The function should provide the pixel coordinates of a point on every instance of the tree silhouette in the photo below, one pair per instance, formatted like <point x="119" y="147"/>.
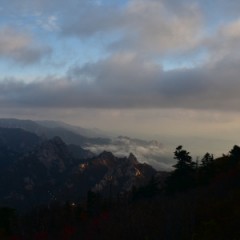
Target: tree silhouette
<point x="183" y="177"/>
<point x="184" y="160"/>
<point x="207" y="169"/>
<point x="234" y="155"/>
<point x="207" y="161"/>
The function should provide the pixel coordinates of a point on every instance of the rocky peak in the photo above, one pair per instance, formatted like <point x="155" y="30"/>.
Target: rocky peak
<point x="106" y="154"/>
<point x="106" y="159"/>
<point x="132" y="159"/>
<point x="54" y="152"/>
<point x="55" y="145"/>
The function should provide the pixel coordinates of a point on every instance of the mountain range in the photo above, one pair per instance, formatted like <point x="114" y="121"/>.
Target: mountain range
<point x="35" y="169"/>
<point x="48" y="129"/>
<point x="151" y="152"/>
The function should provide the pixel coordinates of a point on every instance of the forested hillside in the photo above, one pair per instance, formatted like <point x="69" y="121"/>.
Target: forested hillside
<point x="197" y="200"/>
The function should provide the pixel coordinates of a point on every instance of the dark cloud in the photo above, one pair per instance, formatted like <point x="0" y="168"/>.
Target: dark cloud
<point x="125" y="81"/>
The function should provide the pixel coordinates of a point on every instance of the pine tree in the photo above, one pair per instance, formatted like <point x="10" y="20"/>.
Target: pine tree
<point x="183" y="177"/>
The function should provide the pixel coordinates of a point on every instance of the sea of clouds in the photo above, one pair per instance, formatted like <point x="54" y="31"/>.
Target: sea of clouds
<point x="151" y="152"/>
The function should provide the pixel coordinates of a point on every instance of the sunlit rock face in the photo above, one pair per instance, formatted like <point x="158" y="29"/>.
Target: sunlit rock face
<point x="122" y="173"/>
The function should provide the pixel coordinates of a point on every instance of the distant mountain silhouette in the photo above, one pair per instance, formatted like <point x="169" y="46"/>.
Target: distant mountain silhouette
<point x="91" y="133"/>
<point x="53" y="129"/>
<point x="15" y="142"/>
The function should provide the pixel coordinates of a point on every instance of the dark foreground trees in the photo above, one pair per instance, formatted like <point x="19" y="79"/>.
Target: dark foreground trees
<point x="204" y="206"/>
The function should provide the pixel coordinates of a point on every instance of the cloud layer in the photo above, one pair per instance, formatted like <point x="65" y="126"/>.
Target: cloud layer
<point x="140" y="40"/>
<point x="123" y="81"/>
<point x="151" y="152"/>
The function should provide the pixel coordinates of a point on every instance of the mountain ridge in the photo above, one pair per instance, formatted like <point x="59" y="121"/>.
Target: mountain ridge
<point x="67" y="135"/>
<point x="152" y="152"/>
<point x="50" y="167"/>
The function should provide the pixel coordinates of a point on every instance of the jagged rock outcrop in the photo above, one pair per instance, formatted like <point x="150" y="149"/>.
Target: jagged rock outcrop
<point x="121" y="173"/>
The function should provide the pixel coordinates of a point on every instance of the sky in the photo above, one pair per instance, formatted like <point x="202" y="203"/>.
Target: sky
<point x="157" y="69"/>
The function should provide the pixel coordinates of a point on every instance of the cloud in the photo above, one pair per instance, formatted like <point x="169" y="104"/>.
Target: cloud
<point x="151" y="152"/>
<point x="223" y="45"/>
<point x="125" y="81"/>
<point x="91" y="19"/>
<point x="20" y="46"/>
<point x="149" y="27"/>
<point x="49" y="23"/>
<point x="154" y="27"/>
<point x="131" y="76"/>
